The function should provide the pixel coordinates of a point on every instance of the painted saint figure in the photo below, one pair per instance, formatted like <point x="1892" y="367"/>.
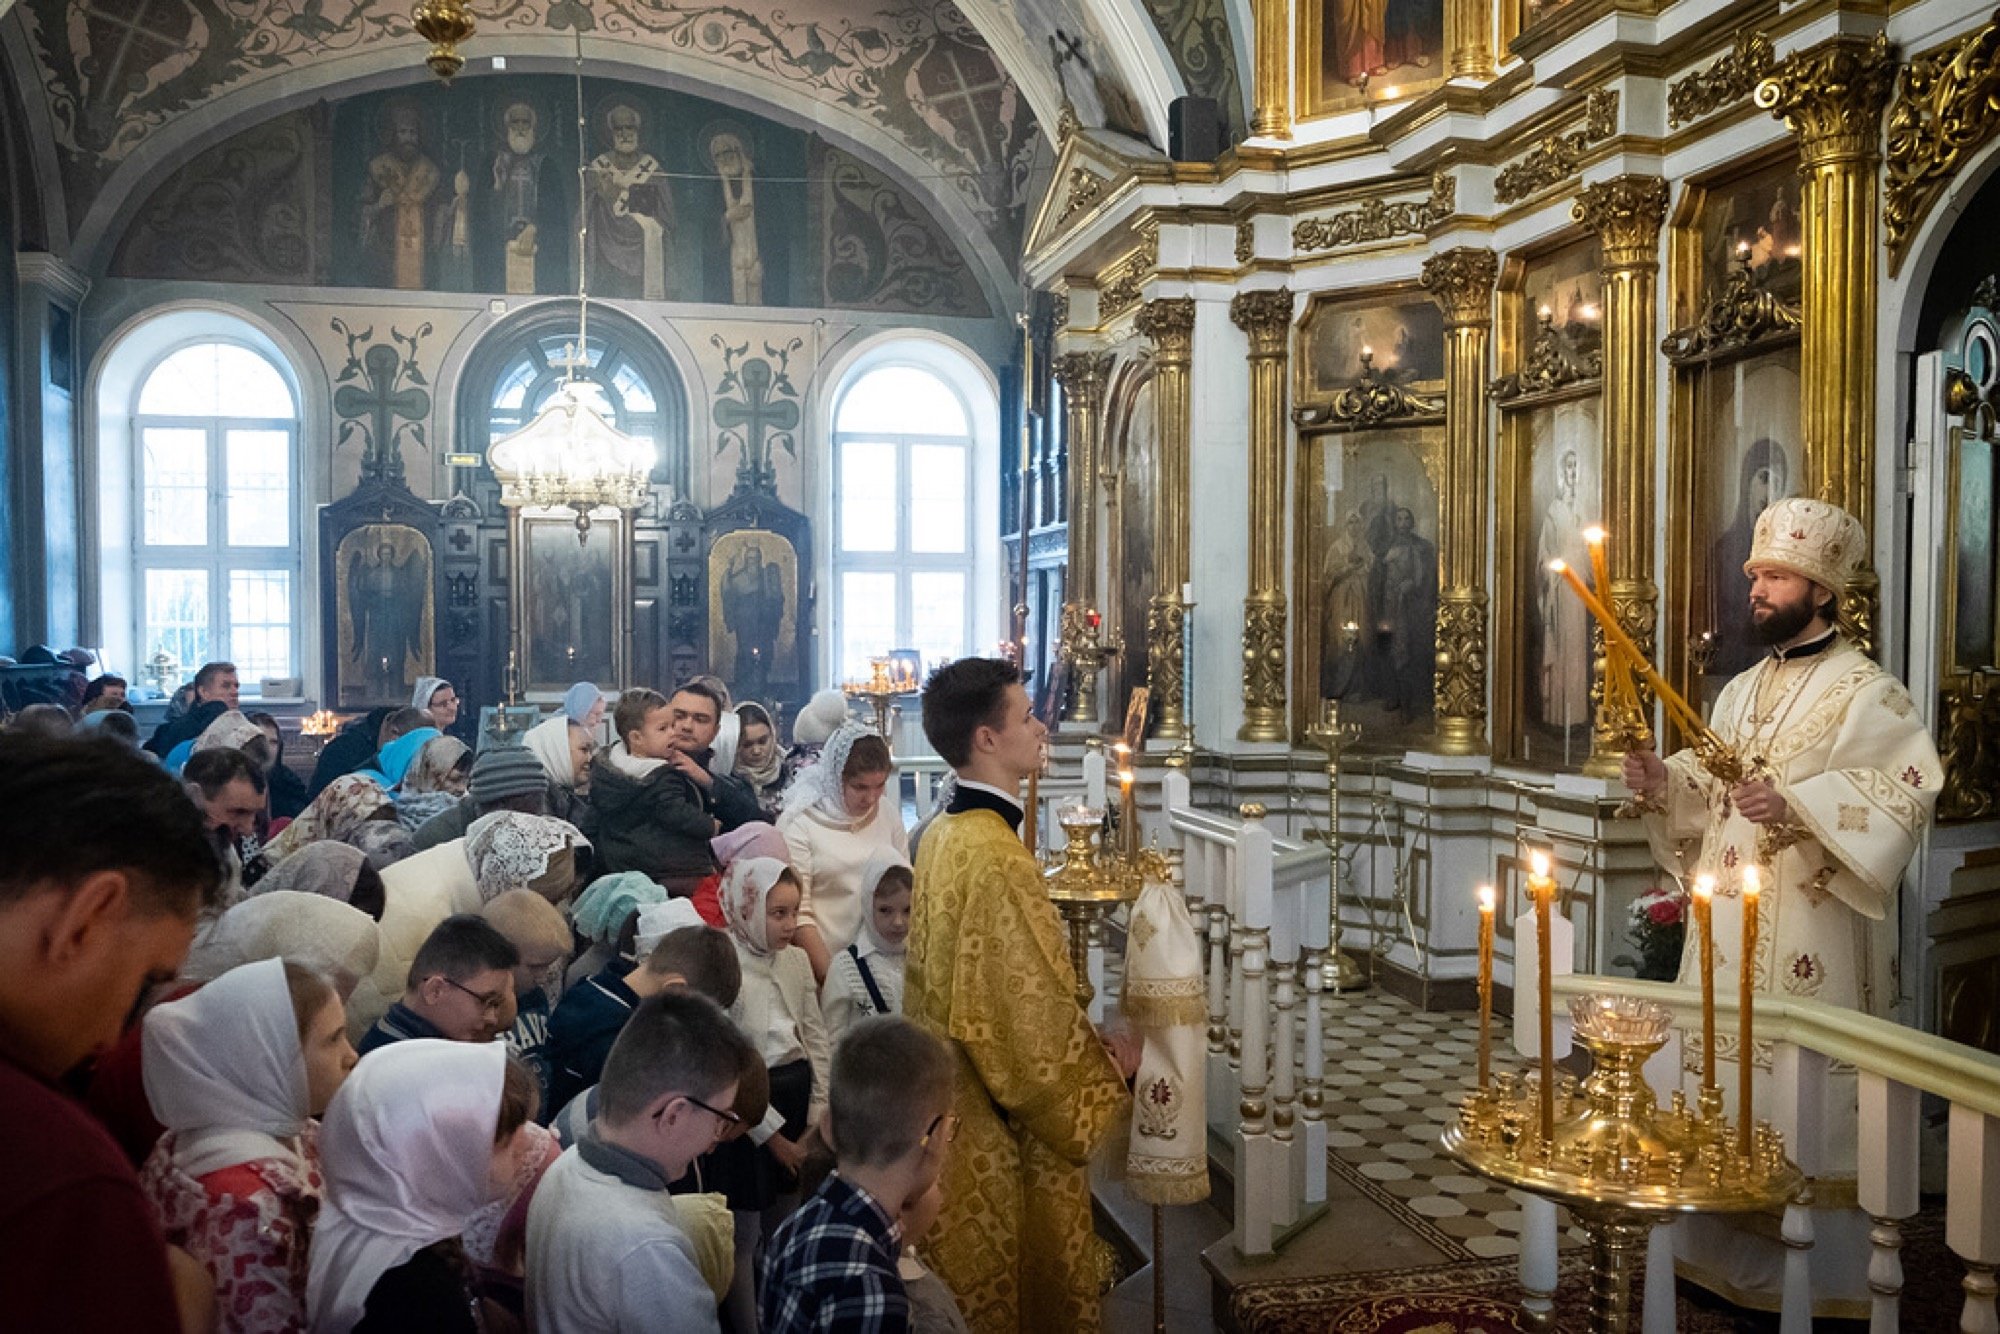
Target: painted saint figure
<point x="395" y="206"/>
<point x="517" y="197"/>
<point x="1763" y="479"/>
<point x="385" y="612"/>
<point x="734" y="167"/>
<point x="1565" y="642"/>
<point x="631" y="212"/>
<point x="753" y="606"/>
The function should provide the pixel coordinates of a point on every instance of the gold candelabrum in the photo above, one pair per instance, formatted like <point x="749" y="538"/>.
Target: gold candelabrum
<point x="1089" y="654"/>
<point x="1340" y="973"/>
<point x="1086" y="881"/>
<point x="889" y="679"/>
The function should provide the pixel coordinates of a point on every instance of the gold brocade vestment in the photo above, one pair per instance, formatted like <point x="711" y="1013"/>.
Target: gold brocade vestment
<point x="1035" y="1094"/>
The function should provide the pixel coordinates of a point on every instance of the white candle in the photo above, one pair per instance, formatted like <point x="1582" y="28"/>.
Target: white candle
<point x="1093" y="777"/>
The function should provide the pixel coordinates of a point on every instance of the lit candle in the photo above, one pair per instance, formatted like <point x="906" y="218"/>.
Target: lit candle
<point x="1704" y="926"/>
<point x="1614" y="634"/>
<point x="1594" y="538"/>
<point x="1746" y="983"/>
<point x="1128" y="814"/>
<point x="1485" y="984"/>
<point x="1542" y="887"/>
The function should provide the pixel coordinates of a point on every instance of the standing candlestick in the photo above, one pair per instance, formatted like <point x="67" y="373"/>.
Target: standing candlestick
<point x="1746" y="983"/>
<point x="1704" y="925"/>
<point x="1485" y="984"/>
<point x="1542" y="886"/>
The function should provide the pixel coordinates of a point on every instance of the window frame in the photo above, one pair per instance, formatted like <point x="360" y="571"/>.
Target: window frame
<point x="903" y="562"/>
<point x="217" y="557"/>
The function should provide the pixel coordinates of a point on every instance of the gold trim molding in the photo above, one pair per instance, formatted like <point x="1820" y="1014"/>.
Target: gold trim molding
<point x="1083" y="189"/>
<point x="1947" y="106"/>
<point x="1378" y="221"/>
<point x="1123" y="284"/>
<point x="1733" y="77"/>
<point x="1370" y="401"/>
<point x="1557" y="157"/>
<point x="1552" y="364"/>
<point x="1746" y="315"/>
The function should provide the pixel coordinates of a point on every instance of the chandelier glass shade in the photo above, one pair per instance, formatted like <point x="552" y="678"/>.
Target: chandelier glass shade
<point x="569" y="457"/>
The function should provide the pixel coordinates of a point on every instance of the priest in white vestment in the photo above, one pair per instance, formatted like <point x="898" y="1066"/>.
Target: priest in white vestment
<point x="1843" y="778"/>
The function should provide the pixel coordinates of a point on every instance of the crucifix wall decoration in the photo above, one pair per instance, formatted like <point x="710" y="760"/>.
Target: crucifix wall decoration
<point x="382" y="397"/>
<point x="756" y="410"/>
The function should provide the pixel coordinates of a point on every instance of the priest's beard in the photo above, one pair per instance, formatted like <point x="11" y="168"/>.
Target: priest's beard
<point x="1775" y="624"/>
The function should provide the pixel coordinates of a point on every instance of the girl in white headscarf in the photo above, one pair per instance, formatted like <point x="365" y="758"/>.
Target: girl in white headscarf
<point x="835" y="819"/>
<point x="760" y="760"/>
<point x="236" y="1072"/>
<point x="423" y="1135"/>
<point x="867" y="977"/>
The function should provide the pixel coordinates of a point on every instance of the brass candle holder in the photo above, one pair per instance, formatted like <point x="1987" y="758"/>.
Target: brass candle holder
<point x="1340" y="974"/>
<point x="1086" y="882"/>
<point x="1614" y="1158"/>
<point x="888" y="681"/>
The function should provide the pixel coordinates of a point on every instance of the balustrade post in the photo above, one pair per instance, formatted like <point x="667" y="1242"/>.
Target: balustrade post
<point x="1798" y="1108"/>
<point x="1315" y="939"/>
<point x="1538" y="1260"/>
<point x="1257" y="1174"/>
<point x="1972" y="1213"/>
<point x="1886" y="1187"/>
<point x="1284" y="970"/>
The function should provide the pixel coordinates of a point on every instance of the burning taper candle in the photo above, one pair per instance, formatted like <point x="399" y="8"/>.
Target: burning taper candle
<point x="1542" y="887"/>
<point x="1704" y="925"/>
<point x="1485" y="985"/>
<point x="1747" y="984"/>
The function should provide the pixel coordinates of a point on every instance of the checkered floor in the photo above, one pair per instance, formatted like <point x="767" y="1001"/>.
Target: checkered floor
<point x="1394" y="1078"/>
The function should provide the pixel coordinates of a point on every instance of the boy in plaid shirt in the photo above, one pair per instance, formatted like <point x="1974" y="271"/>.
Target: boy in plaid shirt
<point x="833" y="1264"/>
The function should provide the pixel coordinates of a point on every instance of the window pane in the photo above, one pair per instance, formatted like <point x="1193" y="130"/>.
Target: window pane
<point x="867" y="497"/>
<point x="174" y="481"/>
<point x="260" y="623"/>
<point x="902" y="400"/>
<point x="176" y="621"/>
<point x="216" y="379"/>
<point x="937" y="615"/>
<point x="937" y="498"/>
<point x="867" y="620"/>
<point x="512" y="391"/>
<point x="184" y="385"/>
<point x="260" y="488"/>
<point x="638" y="395"/>
<point x="588" y="392"/>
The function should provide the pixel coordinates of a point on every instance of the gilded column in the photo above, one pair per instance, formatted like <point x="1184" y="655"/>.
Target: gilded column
<point x="1468" y="35"/>
<point x="1267" y="318"/>
<point x="1461" y="282"/>
<point x="1627" y="214"/>
<point x="1082" y="376"/>
<point x="1271" y="117"/>
<point x="1832" y="95"/>
<point x="1168" y="323"/>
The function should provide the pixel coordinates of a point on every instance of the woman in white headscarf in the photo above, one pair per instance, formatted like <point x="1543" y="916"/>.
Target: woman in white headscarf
<point x="322" y="933"/>
<point x="564" y="746"/>
<point x="236" y="1072"/>
<point x="423" y="1135"/>
<point x="760" y="761"/>
<point x="502" y="851"/>
<point x="835" y="819"/>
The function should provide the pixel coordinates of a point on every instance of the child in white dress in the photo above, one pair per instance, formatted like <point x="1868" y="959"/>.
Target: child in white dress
<point x="866" y="978"/>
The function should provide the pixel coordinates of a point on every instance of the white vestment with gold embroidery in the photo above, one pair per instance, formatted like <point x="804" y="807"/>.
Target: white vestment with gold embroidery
<point x="1841" y="741"/>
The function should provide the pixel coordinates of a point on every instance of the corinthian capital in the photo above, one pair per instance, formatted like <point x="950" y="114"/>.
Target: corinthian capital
<point x="1461" y="282"/>
<point x="1832" y="96"/>
<point x="1627" y="213"/>
<point x="1265" y="316"/>
<point x="1082" y="374"/>
<point x="1168" y="323"/>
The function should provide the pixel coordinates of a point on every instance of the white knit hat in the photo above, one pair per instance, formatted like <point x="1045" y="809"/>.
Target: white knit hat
<point x="821" y="716"/>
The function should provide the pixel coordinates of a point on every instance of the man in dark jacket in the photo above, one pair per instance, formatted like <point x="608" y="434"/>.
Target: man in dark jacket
<point x="654" y="804"/>
<point x="214" y="684"/>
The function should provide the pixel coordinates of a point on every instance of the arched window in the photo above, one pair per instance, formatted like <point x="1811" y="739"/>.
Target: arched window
<point x="215" y="473"/>
<point x="903" y="550"/>
<point x="609" y="380"/>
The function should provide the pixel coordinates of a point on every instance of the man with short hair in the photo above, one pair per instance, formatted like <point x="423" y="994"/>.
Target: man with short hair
<point x="503" y="778"/>
<point x="1037" y="1090"/>
<point x="461" y="987"/>
<point x="230" y="788"/>
<point x="216" y="681"/>
<point x="107" y="864"/>
<point x="587" y="1019"/>
<point x="606" y="1249"/>
<point x="541" y="933"/>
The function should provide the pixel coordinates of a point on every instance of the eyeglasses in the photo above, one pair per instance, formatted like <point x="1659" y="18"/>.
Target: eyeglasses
<point x="728" y="1119"/>
<point x="490" y="1003"/>
<point x="945" y="1123"/>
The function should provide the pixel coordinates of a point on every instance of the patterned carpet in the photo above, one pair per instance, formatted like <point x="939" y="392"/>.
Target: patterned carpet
<point x="1395" y="1076"/>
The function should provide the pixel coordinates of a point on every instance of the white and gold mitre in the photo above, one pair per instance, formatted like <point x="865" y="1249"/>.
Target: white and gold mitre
<point x="1821" y="542"/>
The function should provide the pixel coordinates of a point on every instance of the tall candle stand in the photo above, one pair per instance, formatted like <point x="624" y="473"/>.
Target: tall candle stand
<point x="1087" y="881"/>
<point x="1340" y="973"/>
<point x="888" y="681"/>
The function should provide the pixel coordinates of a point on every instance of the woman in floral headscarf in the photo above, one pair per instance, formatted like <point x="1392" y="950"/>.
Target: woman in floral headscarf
<point x="435" y="779"/>
<point x="835" y="819"/>
<point x="341" y="808"/>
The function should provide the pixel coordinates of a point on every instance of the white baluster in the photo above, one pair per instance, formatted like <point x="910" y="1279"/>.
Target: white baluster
<point x="1175" y="795"/>
<point x="1314" y="939"/>
<point x="1257" y="1180"/>
<point x="1972" y="1213"/>
<point x="1284" y="1049"/>
<point x="1886" y="1187"/>
<point x="1221" y="1083"/>
<point x="1538" y="1261"/>
<point x="1798" y="1097"/>
<point x="1657" y="1313"/>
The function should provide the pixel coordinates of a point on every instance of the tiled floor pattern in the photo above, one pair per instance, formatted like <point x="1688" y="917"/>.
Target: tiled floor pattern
<point x="1394" y="1078"/>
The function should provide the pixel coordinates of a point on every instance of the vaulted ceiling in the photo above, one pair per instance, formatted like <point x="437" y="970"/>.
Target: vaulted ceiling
<point x="960" y="103"/>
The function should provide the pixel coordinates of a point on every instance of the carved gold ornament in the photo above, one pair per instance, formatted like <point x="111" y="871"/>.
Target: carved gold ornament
<point x="1733" y="77"/>
<point x="1265" y="316"/>
<point x="1246" y="241"/>
<point x="1744" y="315"/>
<point x="1969" y="745"/>
<point x="1083" y="189"/>
<point x="1461" y="657"/>
<point x="444" y="24"/>
<point x="1120" y="287"/>
<point x="1371" y="401"/>
<point x="1461" y="282"/>
<point x="1557" y="157"/>
<point x="1553" y="363"/>
<point x="1947" y="105"/>
<point x="1832" y="96"/>
<point x="1627" y="213"/>
<point x="1378" y="221"/>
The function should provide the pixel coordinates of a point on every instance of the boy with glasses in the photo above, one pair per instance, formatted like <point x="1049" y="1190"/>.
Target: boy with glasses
<point x="606" y="1247"/>
<point x="833" y="1264"/>
<point x="461" y="987"/>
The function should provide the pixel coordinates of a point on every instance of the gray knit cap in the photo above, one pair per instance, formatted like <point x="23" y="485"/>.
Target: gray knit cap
<point x="506" y="771"/>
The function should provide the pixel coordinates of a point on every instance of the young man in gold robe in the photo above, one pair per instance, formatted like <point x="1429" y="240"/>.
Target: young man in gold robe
<point x="1843" y="778"/>
<point x="1037" y="1090"/>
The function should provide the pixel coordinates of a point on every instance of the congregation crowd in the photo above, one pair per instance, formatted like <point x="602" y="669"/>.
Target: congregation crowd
<point x="592" y="1029"/>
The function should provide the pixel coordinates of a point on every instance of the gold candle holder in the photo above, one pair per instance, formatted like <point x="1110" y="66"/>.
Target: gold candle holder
<point x="1486" y="905"/>
<point x="1085" y="886"/>
<point x="1746" y="990"/>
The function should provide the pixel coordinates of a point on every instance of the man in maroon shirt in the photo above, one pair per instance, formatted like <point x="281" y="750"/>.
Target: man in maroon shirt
<point x="105" y="864"/>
